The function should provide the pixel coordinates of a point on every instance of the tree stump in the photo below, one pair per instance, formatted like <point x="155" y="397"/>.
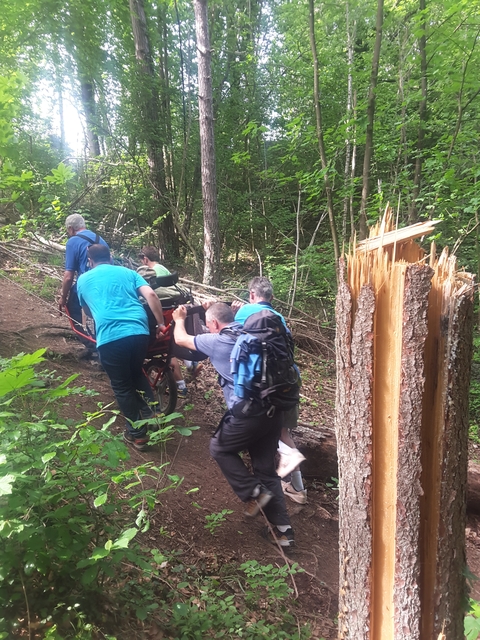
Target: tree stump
<point x="404" y="341"/>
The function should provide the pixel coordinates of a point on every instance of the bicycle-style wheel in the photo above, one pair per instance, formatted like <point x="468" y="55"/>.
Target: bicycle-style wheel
<point x="164" y="387"/>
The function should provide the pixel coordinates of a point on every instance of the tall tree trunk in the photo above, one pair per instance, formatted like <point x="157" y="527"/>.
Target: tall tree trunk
<point x="61" y="114"/>
<point x="370" y="120"/>
<point x="351" y="30"/>
<point x="347" y="213"/>
<point x="422" y="112"/>
<point x="353" y="165"/>
<point x="321" y="144"/>
<point x="152" y="134"/>
<point x="88" y="103"/>
<point x="211" y="270"/>
<point x="404" y="343"/>
<point x="166" y="114"/>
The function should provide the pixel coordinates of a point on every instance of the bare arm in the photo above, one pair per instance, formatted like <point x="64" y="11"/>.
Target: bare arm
<point x="155" y="306"/>
<point x="66" y="286"/>
<point x="182" y="338"/>
<point x="86" y="308"/>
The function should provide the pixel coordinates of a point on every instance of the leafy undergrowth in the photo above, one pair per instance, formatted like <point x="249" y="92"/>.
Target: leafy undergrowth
<point x="72" y="509"/>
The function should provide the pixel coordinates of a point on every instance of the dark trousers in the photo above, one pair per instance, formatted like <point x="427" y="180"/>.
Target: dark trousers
<point x="258" y="435"/>
<point x="123" y="361"/>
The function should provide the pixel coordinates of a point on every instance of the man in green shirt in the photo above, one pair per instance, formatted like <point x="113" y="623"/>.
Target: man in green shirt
<point x="150" y="258"/>
<point x="151" y="269"/>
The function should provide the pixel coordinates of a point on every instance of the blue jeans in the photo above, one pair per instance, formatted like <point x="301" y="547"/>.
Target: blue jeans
<point x="123" y="361"/>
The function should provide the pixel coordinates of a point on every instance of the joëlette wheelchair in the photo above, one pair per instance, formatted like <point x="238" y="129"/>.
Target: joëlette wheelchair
<point x="157" y="365"/>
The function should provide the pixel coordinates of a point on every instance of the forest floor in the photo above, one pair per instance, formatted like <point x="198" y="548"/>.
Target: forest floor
<point x="28" y="323"/>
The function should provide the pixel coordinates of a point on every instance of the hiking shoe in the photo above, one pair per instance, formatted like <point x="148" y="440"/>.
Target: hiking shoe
<point x="182" y="394"/>
<point x="288" y="462"/>
<point x="284" y="539"/>
<point x="140" y="443"/>
<point x="297" y="496"/>
<point x="255" y="503"/>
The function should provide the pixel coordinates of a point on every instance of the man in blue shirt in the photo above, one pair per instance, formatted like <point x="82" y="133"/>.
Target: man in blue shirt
<point x="109" y="294"/>
<point x="257" y="432"/>
<point x="76" y="261"/>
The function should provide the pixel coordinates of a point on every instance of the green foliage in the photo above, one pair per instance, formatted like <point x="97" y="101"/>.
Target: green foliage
<point x="316" y="280"/>
<point x="61" y="175"/>
<point x="72" y="510"/>
<point x="472" y="621"/>
<point x="217" y="611"/>
<point x="9" y="93"/>
<point x="268" y="581"/>
<point x="215" y="520"/>
<point x="70" y="504"/>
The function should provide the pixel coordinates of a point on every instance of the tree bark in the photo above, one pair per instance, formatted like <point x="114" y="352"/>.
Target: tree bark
<point x="370" y="120"/>
<point x="152" y="134"/>
<point x="321" y="144"/>
<point x="404" y="341"/>
<point x="211" y="271"/>
<point x="354" y="441"/>
<point x="348" y="174"/>
<point x="88" y="103"/>
<point x="445" y="462"/>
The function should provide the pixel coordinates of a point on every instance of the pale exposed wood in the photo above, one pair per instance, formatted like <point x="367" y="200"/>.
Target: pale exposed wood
<point x="386" y="398"/>
<point x="414" y="421"/>
<point x="49" y="243"/>
<point x="398" y="236"/>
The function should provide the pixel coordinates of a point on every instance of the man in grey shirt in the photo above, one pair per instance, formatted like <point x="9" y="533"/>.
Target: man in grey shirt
<point x="257" y="432"/>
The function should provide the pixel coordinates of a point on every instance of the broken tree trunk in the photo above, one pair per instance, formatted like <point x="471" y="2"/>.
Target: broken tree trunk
<point x="403" y="363"/>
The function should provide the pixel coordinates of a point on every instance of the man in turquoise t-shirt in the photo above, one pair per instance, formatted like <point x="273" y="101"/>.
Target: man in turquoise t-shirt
<point x="109" y="294"/>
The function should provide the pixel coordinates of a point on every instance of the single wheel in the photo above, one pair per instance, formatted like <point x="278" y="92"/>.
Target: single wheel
<point x="164" y="387"/>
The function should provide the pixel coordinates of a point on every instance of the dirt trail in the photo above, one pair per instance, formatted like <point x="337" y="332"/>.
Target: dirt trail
<point x="27" y="324"/>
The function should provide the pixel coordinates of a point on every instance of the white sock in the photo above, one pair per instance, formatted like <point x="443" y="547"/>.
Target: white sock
<point x="284" y="448"/>
<point x="181" y="384"/>
<point x="283" y="527"/>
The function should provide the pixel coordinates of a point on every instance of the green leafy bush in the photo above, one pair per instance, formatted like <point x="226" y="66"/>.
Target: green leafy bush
<point x="72" y="515"/>
<point x="70" y="505"/>
<point x="472" y="621"/>
<point x="253" y="610"/>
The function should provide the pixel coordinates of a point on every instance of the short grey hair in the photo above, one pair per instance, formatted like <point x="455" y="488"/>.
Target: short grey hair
<point x="221" y="312"/>
<point x="75" y="222"/>
<point x="261" y="287"/>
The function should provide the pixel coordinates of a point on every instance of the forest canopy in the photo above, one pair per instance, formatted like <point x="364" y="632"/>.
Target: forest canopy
<point x="323" y="113"/>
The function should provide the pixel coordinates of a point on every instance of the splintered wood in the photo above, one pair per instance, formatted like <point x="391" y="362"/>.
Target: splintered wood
<point x="404" y="333"/>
